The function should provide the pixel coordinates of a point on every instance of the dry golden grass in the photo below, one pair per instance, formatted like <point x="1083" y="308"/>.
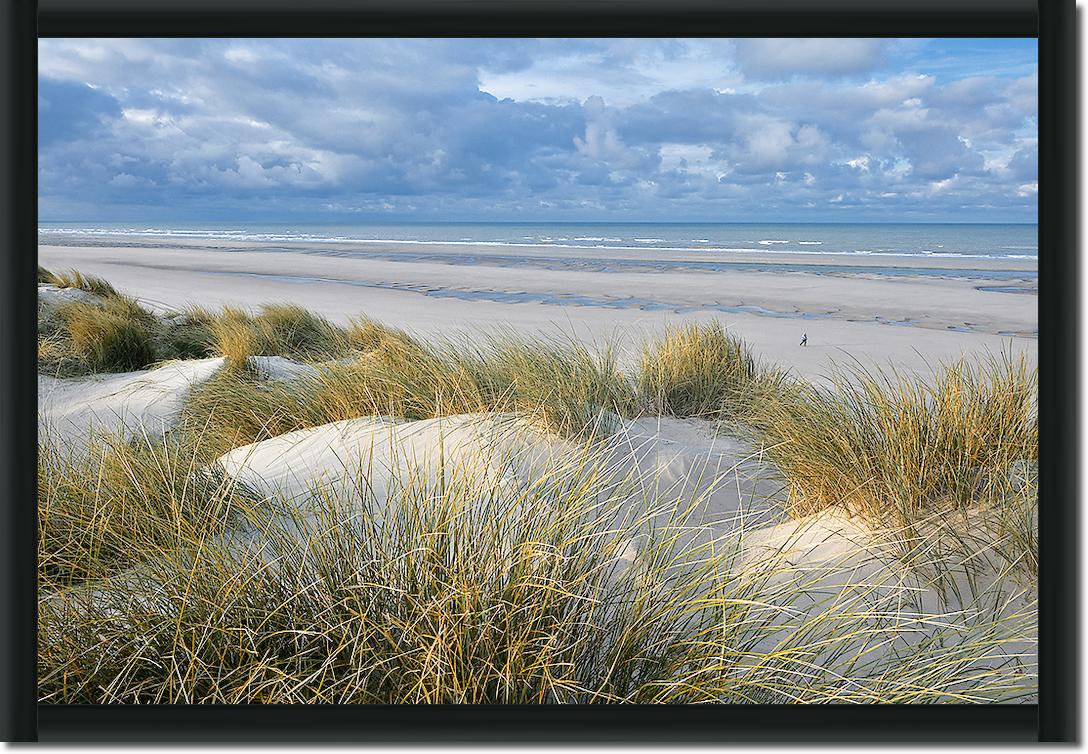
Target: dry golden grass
<point x="277" y="330"/>
<point x="76" y="279"/>
<point x="235" y="408"/>
<point x="106" y="338"/>
<point x="113" y="333"/>
<point x="568" y="389"/>
<point x="236" y="336"/>
<point x="467" y="590"/>
<point x="364" y="334"/>
<point x="894" y="448"/>
<point x="110" y="508"/>
<point x="77" y="337"/>
<point x="398" y="378"/>
<point x="187" y="335"/>
<point x="564" y="388"/>
<point x="701" y="370"/>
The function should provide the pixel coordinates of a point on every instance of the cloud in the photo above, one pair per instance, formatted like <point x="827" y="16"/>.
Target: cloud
<point x="782" y="58"/>
<point x="532" y="129"/>
<point x="620" y="71"/>
<point x="71" y="110"/>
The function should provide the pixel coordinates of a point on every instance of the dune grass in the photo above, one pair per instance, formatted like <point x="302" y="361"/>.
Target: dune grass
<point x="894" y="448"/>
<point x="364" y="334"/>
<point x="277" y="330"/>
<point x="461" y="589"/>
<point x="236" y="407"/>
<point x="106" y="342"/>
<point x="109" y="333"/>
<point x="76" y="279"/>
<point x="187" y="335"/>
<point x="465" y="589"/>
<point x="700" y="370"/>
<point x="84" y="339"/>
<point x="568" y="388"/>
<point x="117" y="334"/>
<point x="112" y="507"/>
<point x="563" y="387"/>
<point x="398" y="378"/>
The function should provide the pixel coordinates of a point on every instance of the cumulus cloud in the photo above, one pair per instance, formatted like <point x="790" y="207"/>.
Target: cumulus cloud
<point x="534" y="129"/>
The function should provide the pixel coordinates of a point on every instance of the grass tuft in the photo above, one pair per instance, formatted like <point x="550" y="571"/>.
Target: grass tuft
<point x="291" y="331"/>
<point x="76" y="279"/>
<point x="894" y="448"/>
<point x="236" y="336"/>
<point x="565" y="389"/>
<point x="278" y="330"/>
<point x="187" y="335"/>
<point x="103" y="339"/>
<point x="105" y="510"/>
<point x="235" y="408"/>
<point x="701" y="370"/>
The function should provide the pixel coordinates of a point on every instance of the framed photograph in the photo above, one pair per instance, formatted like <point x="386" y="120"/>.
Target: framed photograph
<point x="603" y="372"/>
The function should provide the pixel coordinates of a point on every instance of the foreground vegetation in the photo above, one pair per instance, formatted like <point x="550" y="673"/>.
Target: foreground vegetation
<point x="459" y="589"/>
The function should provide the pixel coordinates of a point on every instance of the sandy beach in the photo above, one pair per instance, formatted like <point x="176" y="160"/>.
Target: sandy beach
<point x="909" y="313"/>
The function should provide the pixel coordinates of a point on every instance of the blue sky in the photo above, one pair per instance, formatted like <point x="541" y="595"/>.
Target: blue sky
<point x="747" y="130"/>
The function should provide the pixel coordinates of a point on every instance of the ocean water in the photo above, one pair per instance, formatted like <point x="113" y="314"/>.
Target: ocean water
<point x="984" y="241"/>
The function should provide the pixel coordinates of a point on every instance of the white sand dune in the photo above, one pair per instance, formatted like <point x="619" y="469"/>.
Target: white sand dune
<point x="827" y="582"/>
<point x="71" y="411"/>
<point x="686" y="461"/>
<point x="658" y="465"/>
<point x="659" y="462"/>
<point x="50" y="297"/>
<point x="655" y="463"/>
<point x="280" y="368"/>
<point x="367" y="462"/>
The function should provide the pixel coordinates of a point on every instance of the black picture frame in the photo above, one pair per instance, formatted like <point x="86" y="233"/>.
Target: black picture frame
<point x="1053" y="21"/>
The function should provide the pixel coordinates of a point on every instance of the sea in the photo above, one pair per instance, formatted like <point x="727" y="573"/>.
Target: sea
<point x="982" y="241"/>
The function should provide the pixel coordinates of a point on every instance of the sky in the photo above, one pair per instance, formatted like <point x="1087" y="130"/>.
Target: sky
<point x="655" y="130"/>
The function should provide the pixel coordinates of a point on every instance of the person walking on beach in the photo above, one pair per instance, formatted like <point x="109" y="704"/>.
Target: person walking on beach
<point x="804" y="339"/>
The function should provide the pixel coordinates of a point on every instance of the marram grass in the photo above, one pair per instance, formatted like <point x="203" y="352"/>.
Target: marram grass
<point x="701" y="370"/>
<point x="116" y="333"/>
<point x="893" y="448"/>
<point x="104" y="509"/>
<point x="76" y="279"/>
<point x="276" y="330"/>
<point x="562" y="387"/>
<point x="465" y="589"/>
<point x="459" y="589"/>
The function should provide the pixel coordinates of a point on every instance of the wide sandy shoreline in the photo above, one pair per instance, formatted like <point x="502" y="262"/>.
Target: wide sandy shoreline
<point x="856" y="310"/>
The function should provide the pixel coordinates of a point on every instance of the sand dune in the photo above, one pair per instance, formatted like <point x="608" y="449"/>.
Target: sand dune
<point x="851" y="595"/>
<point x="147" y="402"/>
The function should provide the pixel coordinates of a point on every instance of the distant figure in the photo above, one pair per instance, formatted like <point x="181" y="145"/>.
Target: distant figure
<point x="804" y="339"/>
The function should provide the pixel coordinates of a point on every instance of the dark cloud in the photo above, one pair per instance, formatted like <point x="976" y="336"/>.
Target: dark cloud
<point x="71" y="110"/>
